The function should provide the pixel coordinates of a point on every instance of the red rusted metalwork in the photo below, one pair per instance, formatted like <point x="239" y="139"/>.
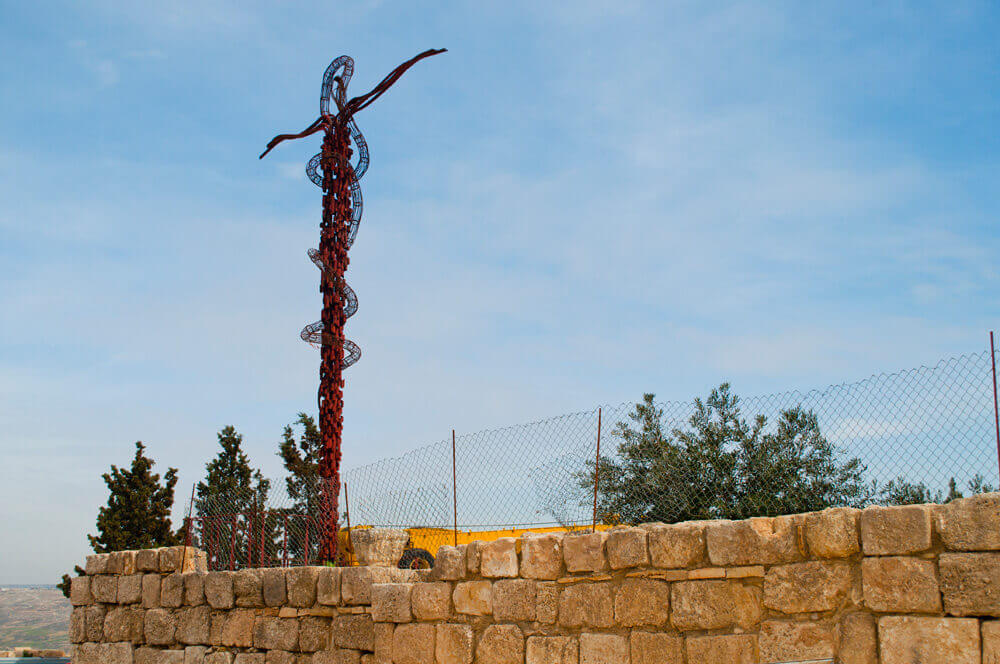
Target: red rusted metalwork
<point x="332" y="170"/>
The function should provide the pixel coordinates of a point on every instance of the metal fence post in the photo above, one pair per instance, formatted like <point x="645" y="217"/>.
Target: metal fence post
<point x="996" y="411"/>
<point x="454" y="485"/>
<point x="187" y="530"/>
<point x="597" y="468"/>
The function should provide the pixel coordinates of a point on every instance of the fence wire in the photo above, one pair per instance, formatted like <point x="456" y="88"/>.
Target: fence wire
<point x="922" y="435"/>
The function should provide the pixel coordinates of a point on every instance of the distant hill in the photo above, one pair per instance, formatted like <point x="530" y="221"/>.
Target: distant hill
<point x="35" y="617"/>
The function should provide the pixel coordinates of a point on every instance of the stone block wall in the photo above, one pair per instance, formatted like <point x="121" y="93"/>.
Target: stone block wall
<point x="902" y="585"/>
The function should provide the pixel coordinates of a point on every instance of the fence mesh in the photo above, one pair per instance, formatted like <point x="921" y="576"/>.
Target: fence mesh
<point x="921" y="435"/>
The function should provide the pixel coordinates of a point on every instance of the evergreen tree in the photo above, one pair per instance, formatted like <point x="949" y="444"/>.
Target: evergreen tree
<point x="230" y="474"/>
<point x="232" y="507"/>
<point x="301" y="459"/>
<point x="722" y="466"/>
<point x="137" y="515"/>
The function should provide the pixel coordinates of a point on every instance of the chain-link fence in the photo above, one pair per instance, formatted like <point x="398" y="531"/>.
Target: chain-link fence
<point x="922" y="435"/>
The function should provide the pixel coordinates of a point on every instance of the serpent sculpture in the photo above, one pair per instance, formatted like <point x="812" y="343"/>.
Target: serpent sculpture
<point x="331" y="170"/>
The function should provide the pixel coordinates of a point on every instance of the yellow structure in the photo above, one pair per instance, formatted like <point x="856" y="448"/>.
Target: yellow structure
<point x="429" y="539"/>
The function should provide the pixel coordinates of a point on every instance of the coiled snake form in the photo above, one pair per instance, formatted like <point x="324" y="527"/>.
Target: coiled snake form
<point x="331" y="170"/>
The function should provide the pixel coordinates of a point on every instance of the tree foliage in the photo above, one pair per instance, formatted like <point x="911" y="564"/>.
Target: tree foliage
<point x="301" y="458"/>
<point x="137" y="515"/>
<point x="230" y="474"/>
<point x="232" y="502"/>
<point x="722" y="466"/>
<point x="900" y="491"/>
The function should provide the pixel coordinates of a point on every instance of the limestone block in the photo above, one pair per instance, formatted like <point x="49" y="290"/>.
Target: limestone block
<point x="379" y="547"/>
<point x="552" y="650"/>
<point x="172" y="591"/>
<point x="124" y="624"/>
<point x="499" y="558"/>
<point x="183" y="559"/>
<point x="104" y="588"/>
<point x="87" y="653"/>
<point x="279" y="657"/>
<point x="926" y="640"/>
<point x="160" y="627"/>
<point x="78" y="625"/>
<point x="97" y="563"/>
<point x="474" y="598"/>
<point x="541" y="557"/>
<point x="473" y="556"/>
<point x="586" y="605"/>
<point x="655" y="648"/>
<point x="145" y="655"/>
<point x="117" y="653"/>
<point x="514" y="599"/>
<point x="147" y="560"/>
<point x="354" y="631"/>
<point x="79" y="591"/>
<point x="970" y="583"/>
<point x="314" y="633"/>
<point x="218" y="658"/>
<point x="413" y="644"/>
<point x="804" y="587"/>
<point x="272" y="586"/>
<point x="327" y="588"/>
<point x="991" y="642"/>
<point x="627" y="547"/>
<point x="383" y="642"/>
<point x="151" y="591"/>
<point x="233" y="628"/>
<point x="391" y="602"/>
<point x="247" y="591"/>
<point x="500" y="644"/>
<point x="301" y="582"/>
<point x="676" y="546"/>
<point x="195" y="654"/>
<point x="356" y="585"/>
<point x="194" y="589"/>
<point x="449" y="564"/>
<point x="603" y="649"/>
<point x="795" y="641"/>
<point x="93" y="620"/>
<point x="151" y="656"/>
<point x="728" y="649"/>
<point x="130" y="589"/>
<point x="971" y="524"/>
<point x="895" y="531"/>
<point x="193" y="625"/>
<point x="219" y="589"/>
<point x="121" y="563"/>
<point x="276" y="633"/>
<point x="431" y="601"/>
<point x="584" y="552"/>
<point x="338" y="656"/>
<point x="900" y="584"/>
<point x="546" y="603"/>
<point x="642" y="602"/>
<point x="713" y="604"/>
<point x="858" y="640"/>
<point x="170" y="558"/>
<point x="249" y="658"/>
<point x="833" y="533"/>
<point x="757" y="541"/>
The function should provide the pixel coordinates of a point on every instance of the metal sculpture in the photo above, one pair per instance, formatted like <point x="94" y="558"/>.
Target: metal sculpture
<point x="331" y="169"/>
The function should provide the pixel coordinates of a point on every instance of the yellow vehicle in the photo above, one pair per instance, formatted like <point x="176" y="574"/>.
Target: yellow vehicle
<point x="422" y="541"/>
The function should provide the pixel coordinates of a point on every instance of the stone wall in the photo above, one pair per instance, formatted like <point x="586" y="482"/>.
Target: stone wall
<point x="903" y="585"/>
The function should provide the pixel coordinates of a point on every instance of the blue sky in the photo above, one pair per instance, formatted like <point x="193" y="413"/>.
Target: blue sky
<point x="577" y="203"/>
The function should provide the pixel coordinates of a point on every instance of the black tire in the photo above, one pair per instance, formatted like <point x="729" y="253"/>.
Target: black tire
<point x="416" y="559"/>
